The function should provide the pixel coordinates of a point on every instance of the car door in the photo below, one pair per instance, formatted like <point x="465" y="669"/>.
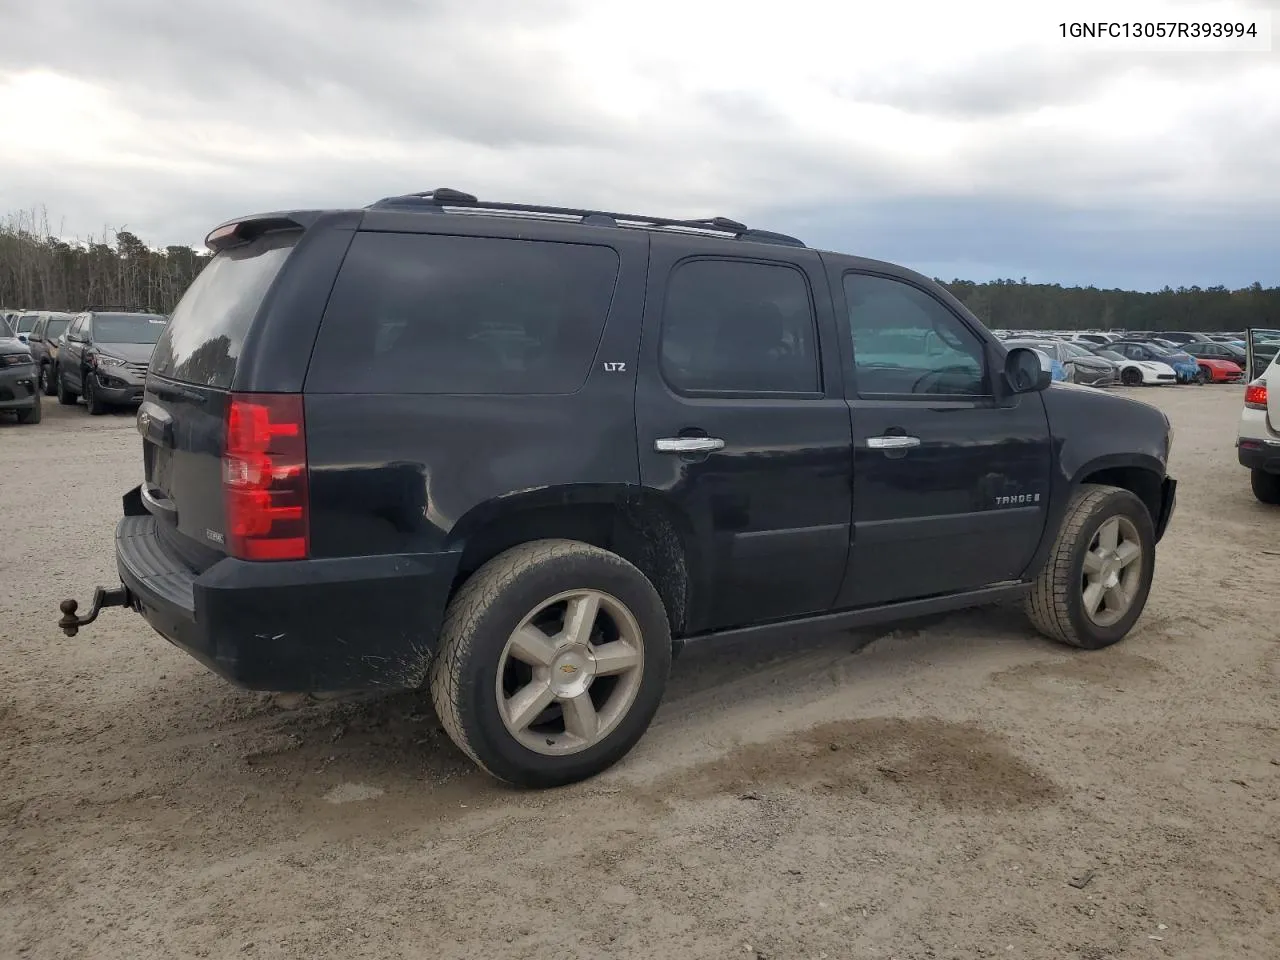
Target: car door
<point x="742" y="426"/>
<point x="71" y="354"/>
<point x="951" y="478"/>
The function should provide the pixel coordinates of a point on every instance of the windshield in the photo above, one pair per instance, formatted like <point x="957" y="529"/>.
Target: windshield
<point x="1071" y="350"/>
<point x="56" y="327"/>
<point x="27" y="322"/>
<point x="1110" y="355"/>
<point x="128" y="327"/>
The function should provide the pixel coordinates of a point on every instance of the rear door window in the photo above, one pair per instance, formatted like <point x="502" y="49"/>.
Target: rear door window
<point x="202" y="341"/>
<point x="739" y="326"/>
<point x="423" y="313"/>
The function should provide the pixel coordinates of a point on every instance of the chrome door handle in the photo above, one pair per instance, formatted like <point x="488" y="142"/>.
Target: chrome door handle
<point x="688" y="444"/>
<point x="892" y="443"/>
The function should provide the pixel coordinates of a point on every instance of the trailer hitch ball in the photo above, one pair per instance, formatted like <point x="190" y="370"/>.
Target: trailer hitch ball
<point x="70" y="623"/>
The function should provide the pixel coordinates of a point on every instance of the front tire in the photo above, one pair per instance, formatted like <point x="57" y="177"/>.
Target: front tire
<point x="1130" y="377"/>
<point x="47" y="385"/>
<point x="552" y="661"/>
<point x="1266" y="486"/>
<point x="91" y="399"/>
<point x="1095" y="583"/>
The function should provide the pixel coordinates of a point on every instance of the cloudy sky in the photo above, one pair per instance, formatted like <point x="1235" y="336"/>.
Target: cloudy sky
<point x="965" y="139"/>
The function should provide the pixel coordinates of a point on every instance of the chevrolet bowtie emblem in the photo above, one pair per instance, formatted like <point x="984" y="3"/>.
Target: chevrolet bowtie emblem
<point x="568" y="668"/>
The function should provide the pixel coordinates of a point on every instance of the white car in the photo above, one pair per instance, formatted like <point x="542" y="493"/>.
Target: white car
<point x="1134" y="373"/>
<point x="1258" y="442"/>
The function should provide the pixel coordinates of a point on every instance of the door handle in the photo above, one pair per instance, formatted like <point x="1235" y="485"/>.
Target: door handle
<point x="157" y="503"/>
<point x="688" y="444"/>
<point x="892" y="443"/>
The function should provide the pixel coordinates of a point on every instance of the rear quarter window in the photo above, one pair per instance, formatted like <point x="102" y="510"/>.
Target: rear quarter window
<point x="202" y="342"/>
<point x="423" y="313"/>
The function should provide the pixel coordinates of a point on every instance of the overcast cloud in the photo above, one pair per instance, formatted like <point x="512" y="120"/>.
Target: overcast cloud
<point x="964" y="139"/>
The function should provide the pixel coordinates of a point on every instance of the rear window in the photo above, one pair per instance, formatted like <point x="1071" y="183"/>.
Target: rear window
<point x="207" y="328"/>
<point x="127" y="327"/>
<point x="420" y="313"/>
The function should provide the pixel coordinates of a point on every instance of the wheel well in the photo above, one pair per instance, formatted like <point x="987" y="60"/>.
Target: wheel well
<point x="1142" y="483"/>
<point x="643" y="533"/>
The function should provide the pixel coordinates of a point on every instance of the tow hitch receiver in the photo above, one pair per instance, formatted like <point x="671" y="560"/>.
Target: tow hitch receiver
<point x="102" y="597"/>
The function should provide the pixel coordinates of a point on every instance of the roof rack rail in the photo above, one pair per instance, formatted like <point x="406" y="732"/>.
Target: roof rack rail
<point x="446" y="197"/>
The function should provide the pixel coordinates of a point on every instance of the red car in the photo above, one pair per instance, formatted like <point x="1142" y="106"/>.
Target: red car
<point x="1214" y="370"/>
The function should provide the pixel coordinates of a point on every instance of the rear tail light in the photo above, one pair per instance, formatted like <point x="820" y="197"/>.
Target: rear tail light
<point x="1255" y="395"/>
<point x="264" y="477"/>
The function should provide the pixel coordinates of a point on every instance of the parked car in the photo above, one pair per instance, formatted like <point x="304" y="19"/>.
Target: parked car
<point x="513" y="452"/>
<point x="1181" y="337"/>
<point x="43" y="341"/>
<point x="1078" y="364"/>
<point x="18" y="391"/>
<point x="24" y="323"/>
<point x="1258" y="437"/>
<point x="1183" y="364"/>
<point x="1099" y="339"/>
<point x="1133" y="373"/>
<point x="1217" y="350"/>
<point x="1213" y="370"/>
<point x="104" y="357"/>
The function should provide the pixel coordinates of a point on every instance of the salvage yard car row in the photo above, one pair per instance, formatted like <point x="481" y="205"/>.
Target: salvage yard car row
<point x="100" y="355"/>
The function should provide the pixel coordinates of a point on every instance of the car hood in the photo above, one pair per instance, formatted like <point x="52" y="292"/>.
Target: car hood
<point x="133" y="352"/>
<point x="13" y="345"/>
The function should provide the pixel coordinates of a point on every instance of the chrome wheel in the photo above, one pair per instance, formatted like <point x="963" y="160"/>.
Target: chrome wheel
<point x="569" y="672"/>
<point x="1112" y="575"/>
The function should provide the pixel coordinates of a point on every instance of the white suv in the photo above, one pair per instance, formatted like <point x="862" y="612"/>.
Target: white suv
<point x="1258" y="444"/>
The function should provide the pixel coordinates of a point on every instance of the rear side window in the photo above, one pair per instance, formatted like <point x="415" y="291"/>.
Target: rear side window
<point x="738" y="326"/>
<point x="421" y="313"/>
<point x="202" y="342"/>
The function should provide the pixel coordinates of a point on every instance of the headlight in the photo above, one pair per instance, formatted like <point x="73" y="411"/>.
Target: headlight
<point x="104" y="360"/>
<point x="15" y="359"/>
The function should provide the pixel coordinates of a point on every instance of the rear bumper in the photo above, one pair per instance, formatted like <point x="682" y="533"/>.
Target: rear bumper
<point x="310" y="625"/>
<point x="1168" y="502"/>
<point x="1258" y="454"/>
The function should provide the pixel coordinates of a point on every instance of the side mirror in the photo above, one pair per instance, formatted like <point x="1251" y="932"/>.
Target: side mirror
<point x="23" y="337"/>
<point x="1027" y="370"/>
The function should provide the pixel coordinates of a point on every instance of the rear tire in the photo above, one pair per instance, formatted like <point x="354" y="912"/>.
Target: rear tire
<point x="1266" y="486"/>
<point x="31" y="414"/>
<point x="66" y="396"/>
<point x="91" y="399"/>
<point x="1104" y="557"/>
<point x="528" y="724"/>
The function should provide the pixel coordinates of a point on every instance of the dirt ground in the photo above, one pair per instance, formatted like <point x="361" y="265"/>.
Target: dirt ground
<point x="930" y="792"/>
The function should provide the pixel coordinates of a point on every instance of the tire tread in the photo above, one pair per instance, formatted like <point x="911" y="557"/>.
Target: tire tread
<point x="468" y="606"/>
<point x="1046" y="604"/>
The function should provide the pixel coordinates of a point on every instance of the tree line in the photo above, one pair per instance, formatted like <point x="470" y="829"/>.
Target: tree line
<point x="41" y="271"/>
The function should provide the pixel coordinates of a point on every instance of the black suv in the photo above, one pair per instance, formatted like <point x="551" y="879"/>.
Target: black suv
<point x="522" y="454"/>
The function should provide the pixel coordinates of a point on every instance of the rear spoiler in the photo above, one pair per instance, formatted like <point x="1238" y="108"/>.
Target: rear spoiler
<point x="244" y="230"/>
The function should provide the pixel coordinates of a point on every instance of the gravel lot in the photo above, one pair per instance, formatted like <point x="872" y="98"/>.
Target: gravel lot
<point x="925" y="793"/>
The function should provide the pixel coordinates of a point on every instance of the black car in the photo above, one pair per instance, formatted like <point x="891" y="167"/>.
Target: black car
<point x="43" y="341"/>
<point x="19" y="380"/>
<point x="104" y="357"/>
<point x="1212" y="350"/>
<point x="520" y="455"/>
